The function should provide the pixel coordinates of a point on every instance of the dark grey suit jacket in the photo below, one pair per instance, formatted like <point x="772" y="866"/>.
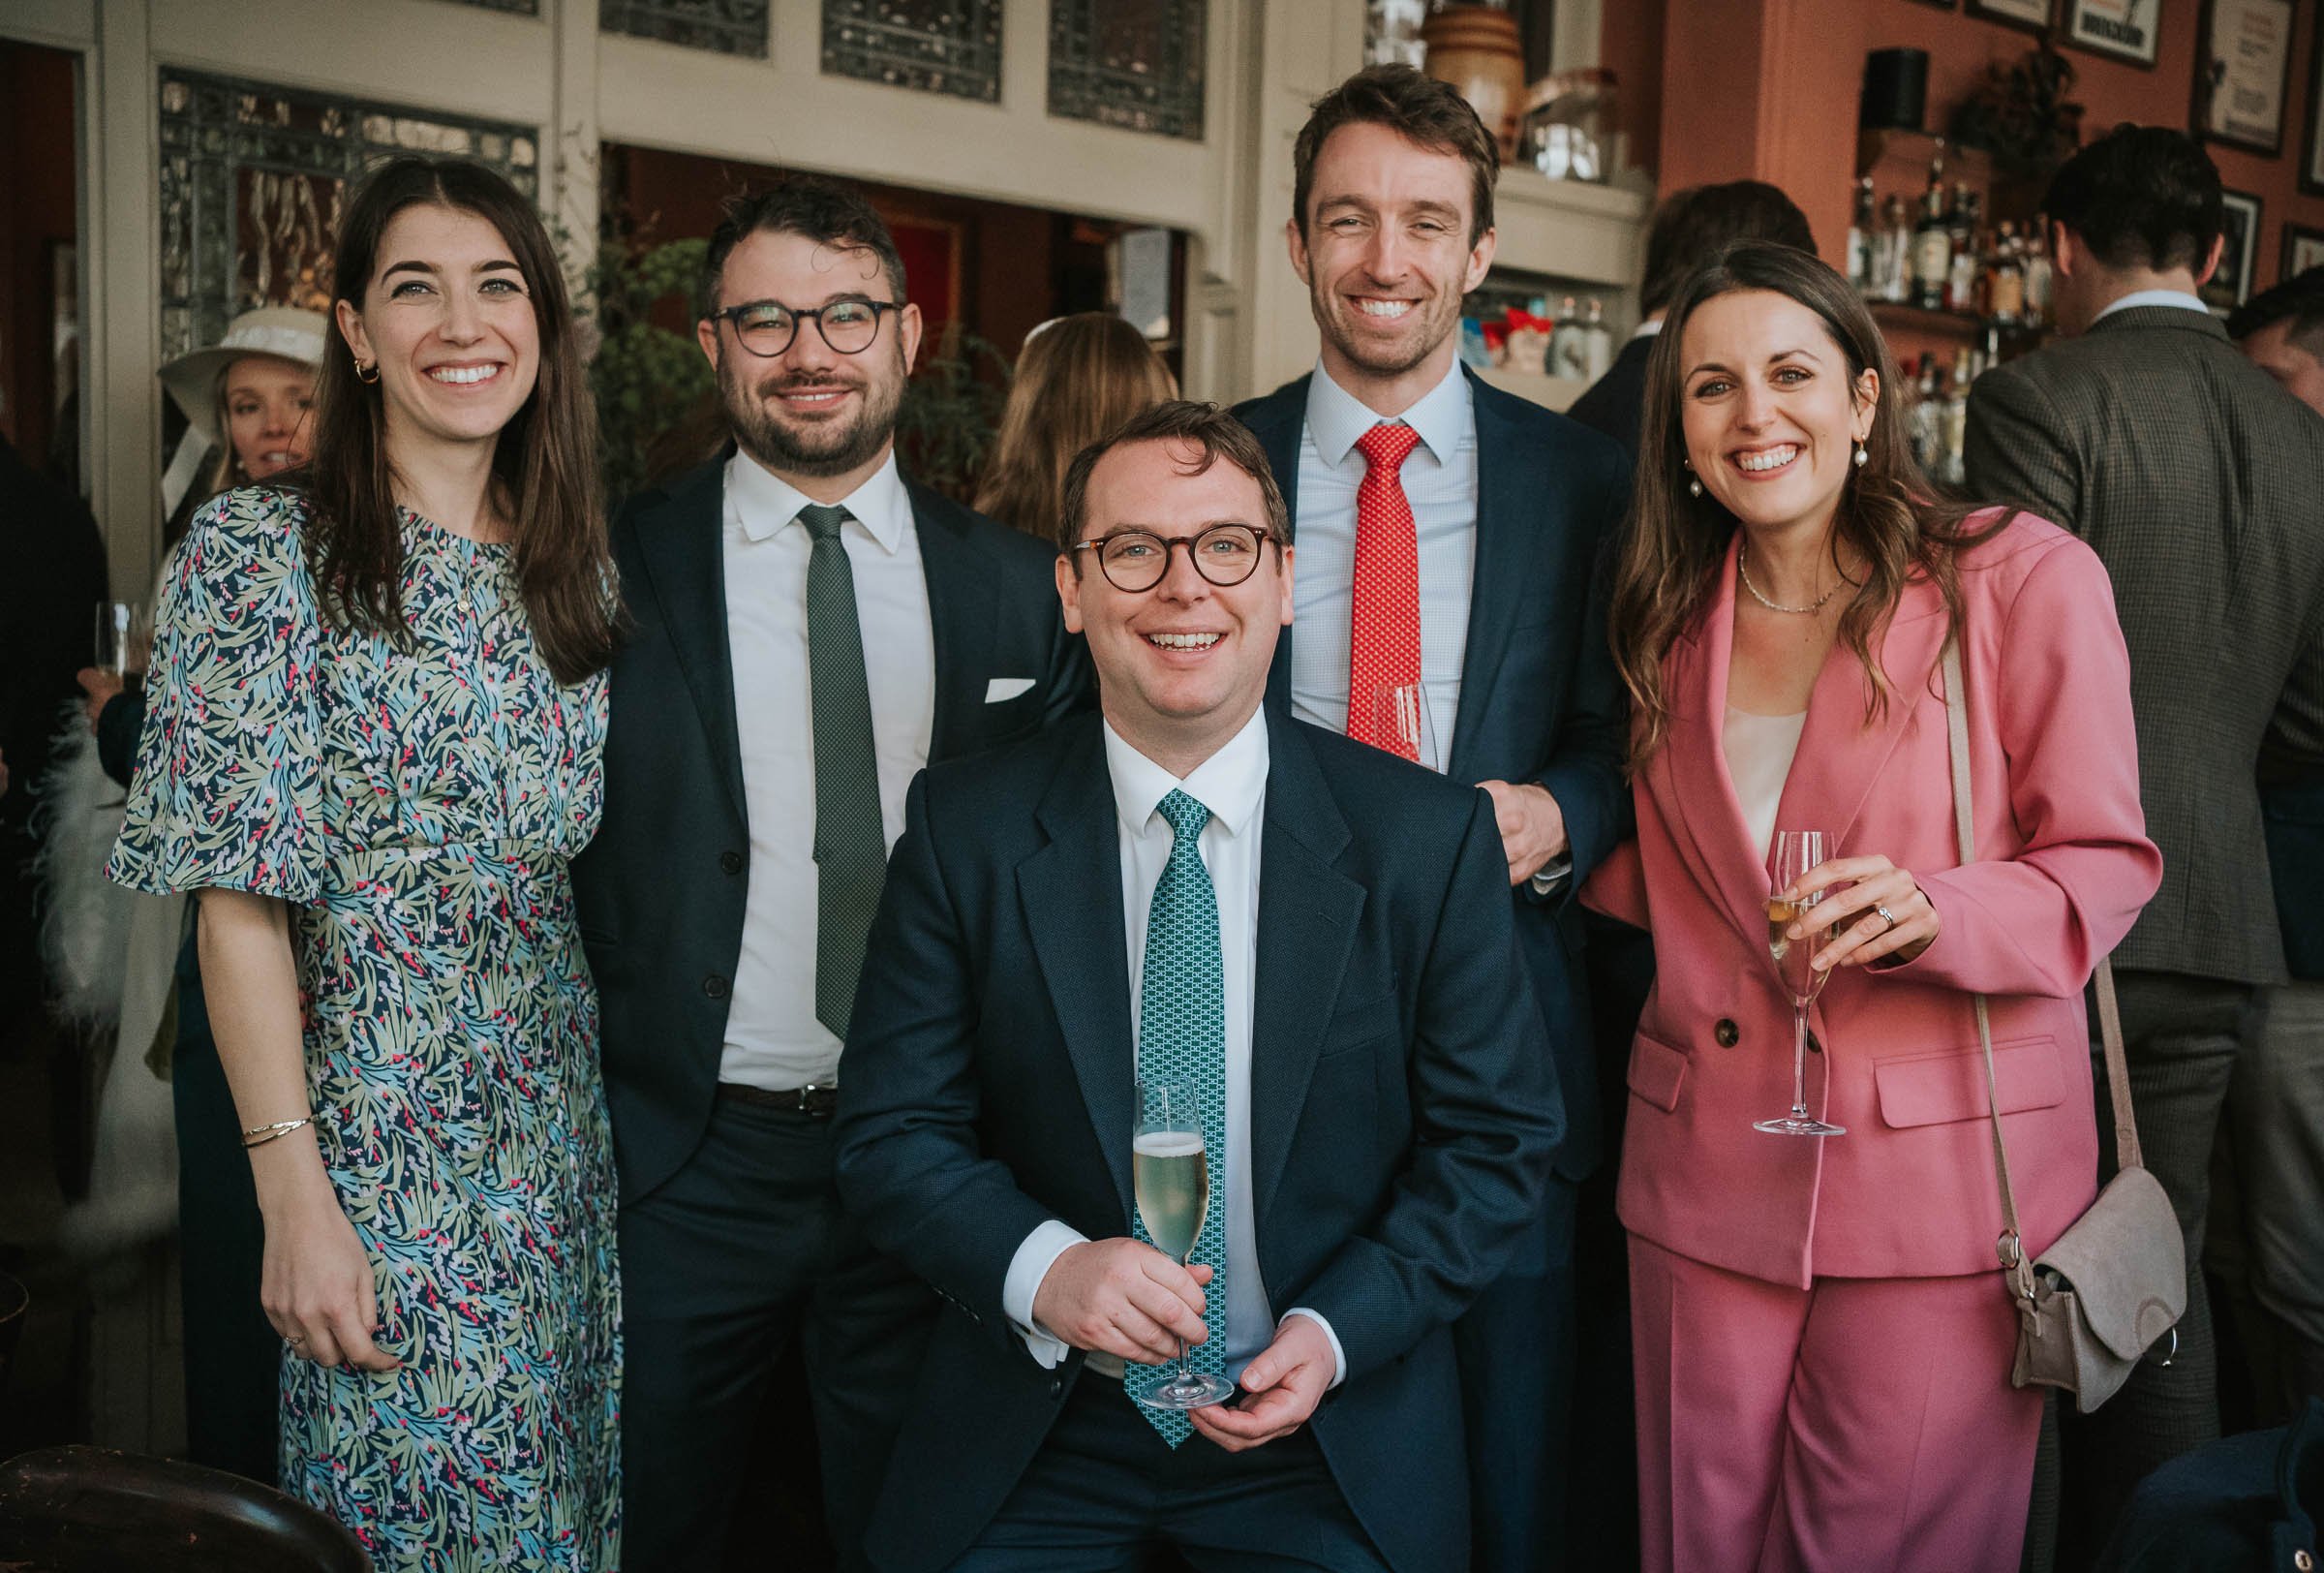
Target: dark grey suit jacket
<point x="2197" y="481"/>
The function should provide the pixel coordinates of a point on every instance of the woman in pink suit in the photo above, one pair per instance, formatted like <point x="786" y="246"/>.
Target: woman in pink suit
<point x="1822" y="1334"/>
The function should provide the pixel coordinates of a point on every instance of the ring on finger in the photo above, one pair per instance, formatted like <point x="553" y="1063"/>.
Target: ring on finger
<point x="1887" y="915"/>
<point x="295" y="1339"/>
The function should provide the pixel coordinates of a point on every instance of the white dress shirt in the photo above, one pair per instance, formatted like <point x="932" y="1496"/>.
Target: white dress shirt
<point x="1440" y="482"/>
<point x="1232" y="784"/>
<point x="2155" y="297"/>
<point x="773" y="1038"/>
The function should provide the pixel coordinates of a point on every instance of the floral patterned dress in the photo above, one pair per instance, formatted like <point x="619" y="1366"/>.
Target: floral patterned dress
<point x="416" y="809"/>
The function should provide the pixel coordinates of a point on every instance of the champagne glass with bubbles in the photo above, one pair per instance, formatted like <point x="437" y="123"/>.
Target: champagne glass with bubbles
<point x="1172" y="1175"/>
<point x="1794" y="854"/>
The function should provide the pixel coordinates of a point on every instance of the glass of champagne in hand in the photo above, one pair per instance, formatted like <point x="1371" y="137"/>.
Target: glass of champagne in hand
<point x="1172" y="1175"/>
<point x="1794" y="854"/>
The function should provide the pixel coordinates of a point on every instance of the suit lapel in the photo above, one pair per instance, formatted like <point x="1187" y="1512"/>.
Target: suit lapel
<point x="682" y="546"/>
<point x="1689" y="775"/>
<point x="960" y="609"/>
<point x="1511" y="478"/>
<point x="1841" y="755"/>
<point x="1307" y="916"/>
<point x="1071" y="892"/>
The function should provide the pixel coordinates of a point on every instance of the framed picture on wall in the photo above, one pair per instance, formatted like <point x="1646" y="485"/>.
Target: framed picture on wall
<point x="2231" y="285"/>
<point x="2312" y="150"/>
<point x="2033" y="13"/>
<point x="2302" y="249"/>
<point x="2244" y="73"/>
<point x="2119" y="30"/>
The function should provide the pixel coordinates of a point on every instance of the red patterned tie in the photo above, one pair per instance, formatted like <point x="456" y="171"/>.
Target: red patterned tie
<point x="1384" y="623"/>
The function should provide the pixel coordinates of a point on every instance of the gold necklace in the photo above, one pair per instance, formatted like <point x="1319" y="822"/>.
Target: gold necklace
<point x="1743" y="571"/>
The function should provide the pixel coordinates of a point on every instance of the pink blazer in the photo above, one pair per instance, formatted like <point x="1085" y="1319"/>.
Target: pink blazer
<point x="2063" y="867"/>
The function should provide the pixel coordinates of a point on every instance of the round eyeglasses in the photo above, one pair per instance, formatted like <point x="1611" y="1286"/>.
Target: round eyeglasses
<point x="767" y="328"/>
<point x="1137" y="560"/>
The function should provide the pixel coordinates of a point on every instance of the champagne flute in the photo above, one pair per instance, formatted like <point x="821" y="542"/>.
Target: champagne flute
<point x="1401" y="717"/>
<point x="122" y="637"/>
<point x="1172" y="1175"/>
<point x="1794" y="854"/>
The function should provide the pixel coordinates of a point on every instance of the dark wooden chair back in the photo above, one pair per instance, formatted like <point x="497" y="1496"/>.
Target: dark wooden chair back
<point x="93" y="1510"/>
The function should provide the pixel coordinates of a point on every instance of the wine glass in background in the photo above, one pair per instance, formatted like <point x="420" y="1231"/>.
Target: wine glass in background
<point x="1171" y="1173"/>
<point x="124" y="637"/>
<point x="1401" y="717"/>
<point x="1793" y="853"/>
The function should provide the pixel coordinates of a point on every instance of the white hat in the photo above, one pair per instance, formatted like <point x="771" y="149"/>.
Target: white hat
<point x="288" y="332"/>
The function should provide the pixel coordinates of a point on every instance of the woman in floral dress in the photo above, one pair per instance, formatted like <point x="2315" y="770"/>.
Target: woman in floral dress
<point x="377" y="700"/>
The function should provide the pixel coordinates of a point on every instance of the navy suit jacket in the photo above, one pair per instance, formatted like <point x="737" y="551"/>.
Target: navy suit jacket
<point x="660" y="890"/>
<point x="1617" y="403"/>
<point x="1402" y="1111"/>
<point x="1540" y="700"/>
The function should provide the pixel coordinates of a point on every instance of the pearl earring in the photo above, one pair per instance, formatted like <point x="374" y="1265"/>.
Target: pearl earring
<point x="1862" y="458"/>
<point x="1694" y="486"/>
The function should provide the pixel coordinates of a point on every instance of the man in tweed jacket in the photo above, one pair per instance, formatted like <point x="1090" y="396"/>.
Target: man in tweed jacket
<point x="2195" y="477"/>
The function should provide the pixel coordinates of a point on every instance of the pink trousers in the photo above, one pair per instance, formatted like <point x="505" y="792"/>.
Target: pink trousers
<point x="1860" y="1424"/>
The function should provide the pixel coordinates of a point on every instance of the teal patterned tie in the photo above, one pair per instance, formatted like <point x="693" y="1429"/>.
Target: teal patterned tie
<point x="851" y="848"/>
<point x="1182" y="1037"/>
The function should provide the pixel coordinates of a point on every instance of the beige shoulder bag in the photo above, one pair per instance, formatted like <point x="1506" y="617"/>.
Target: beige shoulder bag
<point x="2115" y="1284"/>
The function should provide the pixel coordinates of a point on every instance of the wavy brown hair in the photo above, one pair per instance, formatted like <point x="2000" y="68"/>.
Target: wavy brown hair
<point x="544" y="470"/>
<point x="1078" y="379"/>
<point x="1676" y="543"/>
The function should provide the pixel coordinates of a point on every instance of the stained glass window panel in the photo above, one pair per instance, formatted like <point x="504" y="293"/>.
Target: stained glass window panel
<point x="934" y="46"/>
<point x="1137" y="64"/>
<point x="253" y="181"/>
<point x="721" y="26"/>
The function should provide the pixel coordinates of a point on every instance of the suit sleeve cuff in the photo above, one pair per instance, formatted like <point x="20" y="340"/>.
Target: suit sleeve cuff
<point x="1339" y="1356"/>
<point x="1027" y="1269"/>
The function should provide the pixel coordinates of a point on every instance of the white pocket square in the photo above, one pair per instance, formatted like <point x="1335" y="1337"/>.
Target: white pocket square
<point x="1006" y="688"/>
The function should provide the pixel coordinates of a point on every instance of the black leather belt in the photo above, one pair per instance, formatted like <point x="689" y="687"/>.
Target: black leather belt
<point x="817" y="1100"/>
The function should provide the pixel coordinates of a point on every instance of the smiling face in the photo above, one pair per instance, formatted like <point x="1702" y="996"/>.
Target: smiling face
<point x="447" y="317"/>
<point x="1183" y="665"/>
<point x="811" y="411"/>
<point x="1385" y="258"/>
<point x="268" y="401"/>
<point x="1769" y="413"/>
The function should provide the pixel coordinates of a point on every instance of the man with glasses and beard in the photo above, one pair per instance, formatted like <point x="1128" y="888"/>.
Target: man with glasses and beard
<point x="809" y="629"/>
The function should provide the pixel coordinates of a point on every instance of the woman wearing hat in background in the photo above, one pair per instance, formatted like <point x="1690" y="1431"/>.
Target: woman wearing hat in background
<point x="246" y="400"/>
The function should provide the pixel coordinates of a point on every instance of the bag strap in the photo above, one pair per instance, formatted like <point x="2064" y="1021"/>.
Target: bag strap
<point x="2009" y="1246"/>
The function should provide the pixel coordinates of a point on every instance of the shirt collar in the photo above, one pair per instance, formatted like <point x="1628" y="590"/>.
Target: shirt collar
<point x="1647" y="330"/>
<point x="2155" y="297"/>
<point x="1336" y="417"/>
<point x="1231" y="784"/>
<point x="761" y="502"/>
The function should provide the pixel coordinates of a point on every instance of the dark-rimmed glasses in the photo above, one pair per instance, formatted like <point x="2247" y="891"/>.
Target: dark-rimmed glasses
<point x="1137" y="560"/>
<point x="767" y="328"/>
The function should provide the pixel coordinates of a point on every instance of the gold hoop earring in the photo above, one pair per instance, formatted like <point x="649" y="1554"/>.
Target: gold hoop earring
<point x="372" y="369"/>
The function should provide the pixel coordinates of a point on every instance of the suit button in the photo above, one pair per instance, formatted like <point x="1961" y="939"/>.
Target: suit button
<point x="1726" y="1034"/>
<point x="1056" y="1388"/>
<point x="714" y="986"/>
<point x="731" y="862"/>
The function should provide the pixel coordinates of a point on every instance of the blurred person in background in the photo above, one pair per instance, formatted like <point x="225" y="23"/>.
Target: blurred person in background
<point x="2194" y="477"/>
<point x="1078" y="379"/>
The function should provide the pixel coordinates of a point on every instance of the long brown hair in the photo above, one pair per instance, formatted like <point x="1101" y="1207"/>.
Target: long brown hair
<point x="543" y="468"/>
<point x="1078" y="379"/>
<point x="1675" y="542"/>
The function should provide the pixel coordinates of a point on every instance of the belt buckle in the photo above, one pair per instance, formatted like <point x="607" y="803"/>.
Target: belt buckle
<point x="819" y="1100"/>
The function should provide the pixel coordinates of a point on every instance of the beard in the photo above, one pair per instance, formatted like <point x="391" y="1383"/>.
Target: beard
<point x="824" y="448"/>
<point x="1424" y="330"/>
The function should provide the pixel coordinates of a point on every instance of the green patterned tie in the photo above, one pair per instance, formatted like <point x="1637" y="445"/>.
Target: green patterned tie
<point x="1182" y="1037"/>
<point x="851" y="849"/>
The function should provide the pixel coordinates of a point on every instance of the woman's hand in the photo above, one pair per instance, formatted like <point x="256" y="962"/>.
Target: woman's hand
<point x="1856" y="930"/>
<point x="97" y="690"/>
<point x="316" y="1283"/>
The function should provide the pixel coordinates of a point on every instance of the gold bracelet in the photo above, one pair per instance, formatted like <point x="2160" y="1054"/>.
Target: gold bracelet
<point x="260" y="1135"/>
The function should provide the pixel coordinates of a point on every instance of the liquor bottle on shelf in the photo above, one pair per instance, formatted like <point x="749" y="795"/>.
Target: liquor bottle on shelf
<point x="1965" y="290"/>
<point x="1569" y="355"/>
<point x="1932" y="243"/>
<point x="2006" y="281"/>
<point x="1961" y="228"/>
<point x="1859" y="239"/>
<point x="2037" y="276"/>
<point x="1597" y="341"/>
<point x="1954" y="423"/>
<point x="1892" y="256"/>
<point x="1925" y="415"/>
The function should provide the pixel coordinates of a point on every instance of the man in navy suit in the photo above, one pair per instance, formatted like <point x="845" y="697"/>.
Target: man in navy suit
<point x="1449" y="540"/>
<point x="809" y="629"/>
<point x="1311" y="933"/>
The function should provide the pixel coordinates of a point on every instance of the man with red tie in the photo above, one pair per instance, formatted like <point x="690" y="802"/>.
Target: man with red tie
<point x="1449" y="535"/>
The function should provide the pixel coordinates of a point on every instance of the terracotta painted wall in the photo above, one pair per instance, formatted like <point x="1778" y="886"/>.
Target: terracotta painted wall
<point x="1770" y="88"/>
